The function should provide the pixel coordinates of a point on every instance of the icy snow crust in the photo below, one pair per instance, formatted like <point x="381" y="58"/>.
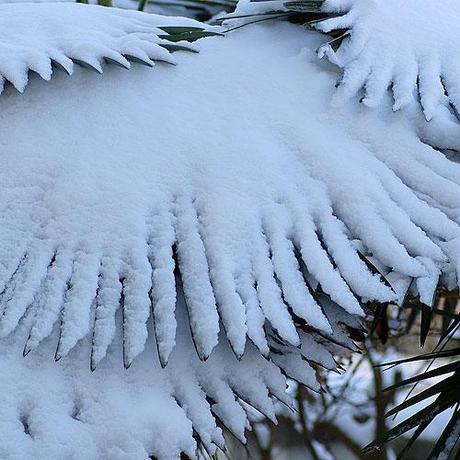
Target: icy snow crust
<point x="233" y="167"/>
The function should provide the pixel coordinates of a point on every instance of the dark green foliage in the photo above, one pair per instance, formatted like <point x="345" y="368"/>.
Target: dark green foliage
<point x="189" y="34"/>
<point x="447" y="396"/>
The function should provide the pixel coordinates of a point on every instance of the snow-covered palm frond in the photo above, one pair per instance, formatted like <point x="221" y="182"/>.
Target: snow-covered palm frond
<point x="411" y="46"/>
<point x="45" y="36"/>
<point x="251" y="230"/>
<point x="379" y="49"/>
<point x="56" y="410"/>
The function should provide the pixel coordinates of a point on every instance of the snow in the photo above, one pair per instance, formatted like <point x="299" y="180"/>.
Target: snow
<point x="403" y="44"/>
<point x="113" y="413"/>
<point x="39" y="36"/>
<point x="214" y="194"/>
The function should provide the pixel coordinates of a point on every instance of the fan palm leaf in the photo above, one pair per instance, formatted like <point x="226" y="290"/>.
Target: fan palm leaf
<point x="213" y="243"/>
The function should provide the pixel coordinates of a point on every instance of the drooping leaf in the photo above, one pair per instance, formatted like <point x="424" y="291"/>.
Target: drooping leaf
<point x="425" y="324"/>
<point x="426" y="356"/>
<point x="443" y="386"/>
<point x="426" y="415"/>
<point x="448" y="439"/>
<point x="446" y="369"/>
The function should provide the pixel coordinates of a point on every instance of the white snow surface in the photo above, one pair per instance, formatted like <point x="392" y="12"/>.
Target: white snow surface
<point x="410" y="45"/>
<point x="232" y="166"/>
<point x="41" y="36"/>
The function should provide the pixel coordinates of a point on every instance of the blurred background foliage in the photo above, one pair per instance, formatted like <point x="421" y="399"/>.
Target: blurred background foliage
<point x="398" y="399"/>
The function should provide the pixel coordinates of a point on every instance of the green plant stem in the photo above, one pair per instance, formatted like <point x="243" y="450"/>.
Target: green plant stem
<point x="142" y="4"/>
